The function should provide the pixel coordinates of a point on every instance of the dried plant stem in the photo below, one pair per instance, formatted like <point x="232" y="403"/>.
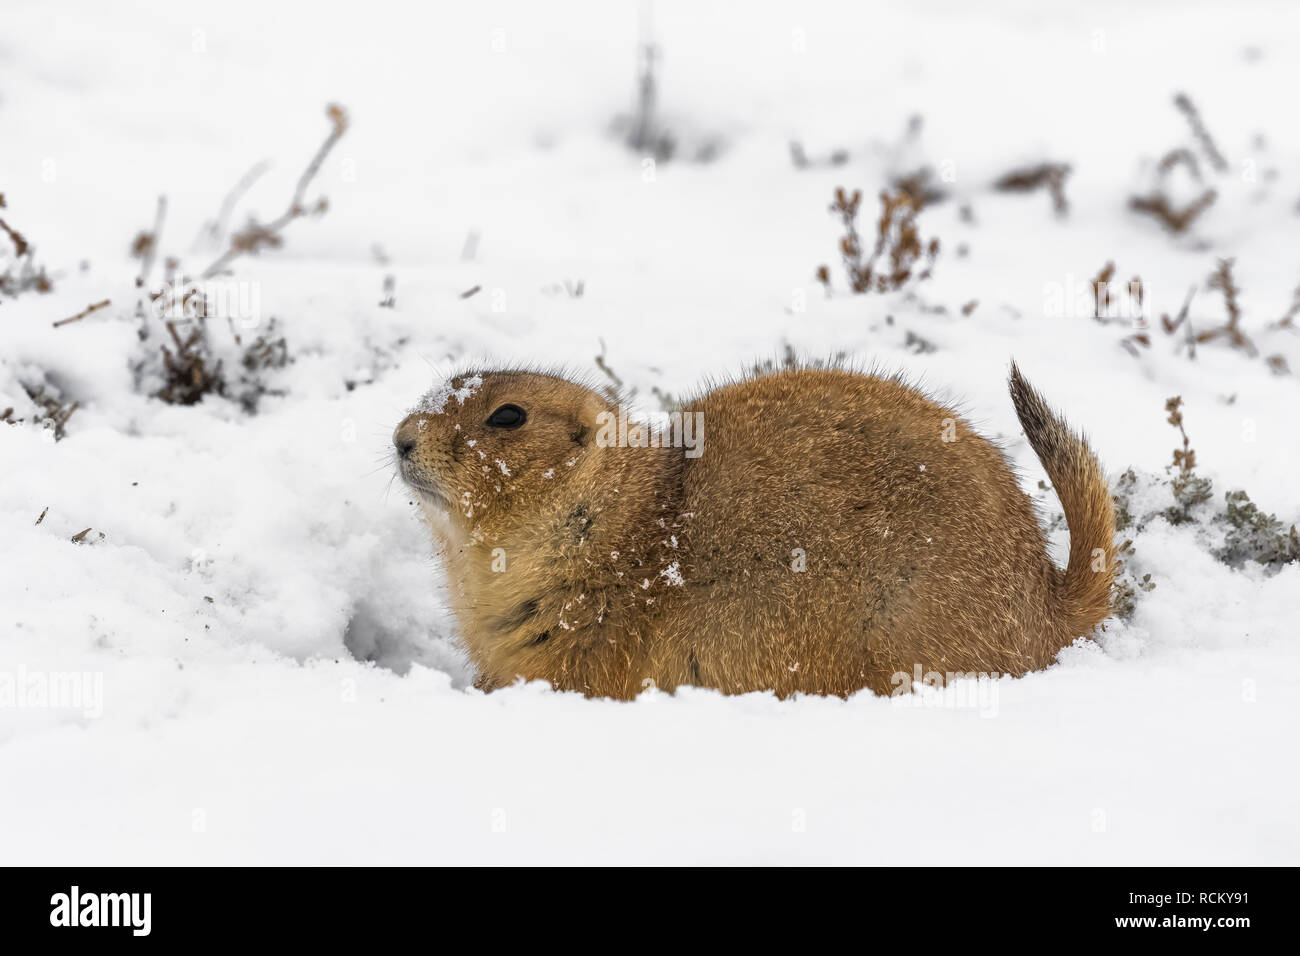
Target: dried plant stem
<point x="1181" y="321"/>
<point x="1203" y="137"/>
<point x="1175" y="220"/>
<point x="217" y="227"/>
<point x="1223" y="280"/>
<point x="255" y="235"/>
<point x="1288" y="320"/>
<point x="20" y="244"/>
<point x="1051" y="175"/>
<point x="147" y="244"/>
<point x="83" y="313"/>
<point x="611" y="391"/>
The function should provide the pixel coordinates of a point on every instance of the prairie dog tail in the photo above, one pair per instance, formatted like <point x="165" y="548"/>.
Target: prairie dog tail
<point x="1085" y="586"/>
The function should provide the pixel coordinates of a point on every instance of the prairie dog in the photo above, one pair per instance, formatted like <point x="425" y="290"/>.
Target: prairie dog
<point x="836" y="530"/>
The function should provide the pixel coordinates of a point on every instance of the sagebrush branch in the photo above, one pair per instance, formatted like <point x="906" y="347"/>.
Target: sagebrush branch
<point x="256" y="235"/>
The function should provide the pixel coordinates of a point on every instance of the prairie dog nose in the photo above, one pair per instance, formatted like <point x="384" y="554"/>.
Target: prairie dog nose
<point x="405" y="436"/>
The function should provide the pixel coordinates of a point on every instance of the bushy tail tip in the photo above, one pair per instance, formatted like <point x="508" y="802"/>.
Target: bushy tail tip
<point x="1085" y="586"/>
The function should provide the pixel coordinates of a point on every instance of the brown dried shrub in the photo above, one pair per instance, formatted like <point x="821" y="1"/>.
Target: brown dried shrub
<point x="22" y="274"/>
<point x="898" y="247"/>
<point x="1222" y="280"/>
<point x="1157" y="202"/>
<point x="1051" y="176"/>
<point x="1176" y="220"/>
<point x="53" y="412"/>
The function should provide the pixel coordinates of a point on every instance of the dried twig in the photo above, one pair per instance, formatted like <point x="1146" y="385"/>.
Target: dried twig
<point x="1288" y="320"/>
<point x="83" y="313"/>
<point x="1203" y="137"/>
<point x="1051" y="175"/>
<point x="1181" y="321"/>
<point x="611" y="391"/>
<point x="646" y="134"/>
<point x="1181" y="156"/>
<point x="256" y="236"/>
<point x="801" y="160"/>
<point x="1175" y="220"/>
<point x="216" y="228"/>
<point x="20" y="244"/>
<point x="145" y="245"/>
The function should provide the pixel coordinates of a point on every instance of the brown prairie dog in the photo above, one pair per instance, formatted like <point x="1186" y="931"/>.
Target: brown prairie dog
<point x="829" y="531"/>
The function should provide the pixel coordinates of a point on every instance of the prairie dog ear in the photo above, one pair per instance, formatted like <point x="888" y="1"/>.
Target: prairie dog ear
<point x="590" y="416"/>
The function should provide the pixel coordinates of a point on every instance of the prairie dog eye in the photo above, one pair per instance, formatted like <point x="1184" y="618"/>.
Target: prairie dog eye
<point x="507" y="416"/>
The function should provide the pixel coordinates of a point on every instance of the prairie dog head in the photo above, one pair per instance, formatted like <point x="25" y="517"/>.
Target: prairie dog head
<point x="481" y="444"/>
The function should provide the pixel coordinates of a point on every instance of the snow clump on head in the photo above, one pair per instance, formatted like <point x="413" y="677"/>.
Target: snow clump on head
<point x="435" y="400"/>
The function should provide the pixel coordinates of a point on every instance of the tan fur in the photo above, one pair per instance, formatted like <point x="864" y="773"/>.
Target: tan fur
<point x="918" y="553"/>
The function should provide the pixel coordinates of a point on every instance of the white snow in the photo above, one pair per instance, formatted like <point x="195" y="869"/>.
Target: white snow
<point x="673" y="574"/>
<point x="436" y="399"/>
<point x="264" y="618"/>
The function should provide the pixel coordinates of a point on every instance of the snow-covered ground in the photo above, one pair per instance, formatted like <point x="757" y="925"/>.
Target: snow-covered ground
<point x="270" y="671"/>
